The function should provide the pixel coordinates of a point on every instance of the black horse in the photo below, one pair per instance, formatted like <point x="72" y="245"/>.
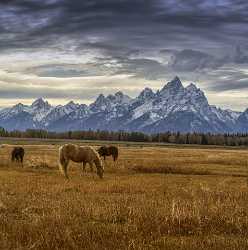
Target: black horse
<point x="107" y="151"/>
<point x="17" y="154"/>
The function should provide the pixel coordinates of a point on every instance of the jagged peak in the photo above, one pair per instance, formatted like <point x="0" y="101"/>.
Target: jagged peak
<point x="192" y="87"/>
<point x="147" y="92"/>
<point x="174" y="85"/>
<point x="71" y="104"/>
<point x="40" y="103"/>
<point x="18" y="105"/>
<point x="111" y="97"/>
<point x="119" y="93"/>
<point x="119" y="97"/>
<point x="176" y="78"/>
<point x="100" y="101"/>
<point x="100" y="97"/>
<point x="38" y="100"/>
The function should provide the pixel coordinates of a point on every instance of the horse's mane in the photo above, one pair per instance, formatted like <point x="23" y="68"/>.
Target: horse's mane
<point x="97" y="156"/>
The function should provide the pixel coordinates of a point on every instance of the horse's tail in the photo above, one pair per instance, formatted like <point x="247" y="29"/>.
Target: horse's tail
<point x="62" y="162"/>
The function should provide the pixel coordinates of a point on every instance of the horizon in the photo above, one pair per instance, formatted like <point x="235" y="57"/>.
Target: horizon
<point x="65" y="102"/>
<point x="65" y="50"/>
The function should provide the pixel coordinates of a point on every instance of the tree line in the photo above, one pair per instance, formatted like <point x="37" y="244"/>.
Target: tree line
<point x="166" y="137"/>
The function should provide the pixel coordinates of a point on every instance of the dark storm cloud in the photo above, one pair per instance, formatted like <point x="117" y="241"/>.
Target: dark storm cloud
<point x="63" y="70"/>
<point x="240" y="55"/>
<point x="228" y="79"/>
<point x="191" y="60"/>
<point x="137" y="68"/>
<point x="121" y="21"/>
<point x="147" y="39"/>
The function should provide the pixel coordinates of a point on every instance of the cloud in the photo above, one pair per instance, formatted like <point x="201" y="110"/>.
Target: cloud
<point x="191" y="60"/>
<point x="228" y="79"/>
<point x="240" y="55"/>
<point x="73" y="42"/>
<point x="131" y="22"/>
<point x="25" y="86"/>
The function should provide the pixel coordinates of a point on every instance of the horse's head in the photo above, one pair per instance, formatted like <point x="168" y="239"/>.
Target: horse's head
<point x="99" y="166"/>
<point x="100" y="172"/>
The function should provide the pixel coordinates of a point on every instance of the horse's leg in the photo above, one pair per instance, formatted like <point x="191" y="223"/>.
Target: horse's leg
<point x="12" y="157"/>
<point x="91" y="167"/>
<point x="63" y="167"/>
<point x="84" y="166"/>
<point x="18" y="159"/>
<point x="21" y="159"/>
<point x="63" y="163"/>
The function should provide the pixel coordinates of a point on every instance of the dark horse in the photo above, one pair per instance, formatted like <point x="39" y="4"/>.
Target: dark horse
<point x="107" y="151"/>
<point x="17" y="154"/>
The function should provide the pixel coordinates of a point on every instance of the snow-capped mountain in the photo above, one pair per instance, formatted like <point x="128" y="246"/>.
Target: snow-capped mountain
<point x="173" y="108"/>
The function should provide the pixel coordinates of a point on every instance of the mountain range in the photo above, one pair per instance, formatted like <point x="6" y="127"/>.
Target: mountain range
<point x="173" y="108"/>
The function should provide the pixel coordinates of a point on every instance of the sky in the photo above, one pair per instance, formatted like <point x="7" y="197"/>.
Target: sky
<point x="65" y="50"/>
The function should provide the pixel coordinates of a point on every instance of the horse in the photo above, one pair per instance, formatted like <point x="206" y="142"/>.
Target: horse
<point x="17" y="154"/>
<point x="107" y="151"/>
<point x="79" y="154"/>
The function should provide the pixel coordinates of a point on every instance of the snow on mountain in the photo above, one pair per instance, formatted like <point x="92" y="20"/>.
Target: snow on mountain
<point x="56" y="113"/>
<point x="110" y="102"/>
<point x="119" y="98"/>
<point x="9" y="112"/>
<point x="173" y="98"/>
<point x="174" y="107"/>
<point x="242" y="122"/>
<point x="146" y="94"/>
<point x="39" y="109"/>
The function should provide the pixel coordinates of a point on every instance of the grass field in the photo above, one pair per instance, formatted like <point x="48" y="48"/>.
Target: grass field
<point x="155" y="197"/>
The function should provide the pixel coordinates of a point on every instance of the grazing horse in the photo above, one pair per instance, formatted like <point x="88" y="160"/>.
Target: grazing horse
<point x="107" y="151"/>
<point x="80" y="154"/>
<point x="17" y="154"/>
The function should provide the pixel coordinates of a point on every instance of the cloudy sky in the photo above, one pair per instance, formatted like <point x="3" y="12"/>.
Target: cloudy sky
<point x="73" y="50"/>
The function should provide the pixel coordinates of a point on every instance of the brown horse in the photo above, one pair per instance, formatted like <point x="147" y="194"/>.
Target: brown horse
<point x="80" y="154"/>
<point x="17" y="154"/>
<point x="107" y="151"/>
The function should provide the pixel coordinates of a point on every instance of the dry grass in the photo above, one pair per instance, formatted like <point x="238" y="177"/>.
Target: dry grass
<point x="153" y="198"/>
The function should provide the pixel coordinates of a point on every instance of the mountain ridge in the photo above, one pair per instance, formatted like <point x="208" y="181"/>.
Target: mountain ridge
<point x="173" y="108"/>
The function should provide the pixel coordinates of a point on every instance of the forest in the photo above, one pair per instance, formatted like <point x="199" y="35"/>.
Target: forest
<point x="166" y="137"/>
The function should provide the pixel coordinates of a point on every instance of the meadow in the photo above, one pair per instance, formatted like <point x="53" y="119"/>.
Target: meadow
<point x="154" y="197"/>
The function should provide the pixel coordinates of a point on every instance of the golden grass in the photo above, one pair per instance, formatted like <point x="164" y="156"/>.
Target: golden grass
<point x="153" y="198"/>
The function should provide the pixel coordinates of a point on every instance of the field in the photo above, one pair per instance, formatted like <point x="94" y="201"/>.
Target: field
<point x="154" y="197"/>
